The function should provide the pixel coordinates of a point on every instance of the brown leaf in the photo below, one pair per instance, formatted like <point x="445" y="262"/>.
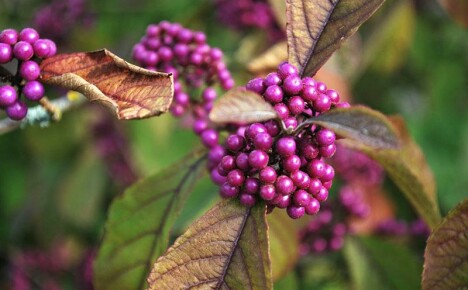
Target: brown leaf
<point x="407" y="167"/>
<point x="269" y="60"/>
<point x="227" y="248"/>
<point x="284" y="243"/>
<point x="241" y="106"/>
<point x="458" y="9"/>
<point x="131" y="91"/>
<point x="316" y="28"/>
<point x="446" y="254"/>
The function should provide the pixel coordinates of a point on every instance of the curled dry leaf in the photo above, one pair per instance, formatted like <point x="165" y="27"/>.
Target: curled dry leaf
<point x="446" y="254"/>
<point x="241" y="106"/>
<point x="131" y="91"/>
<point x="139" y="224"/>
<point x="407" y="167"/>
<point x="227" y="248"/>
<point x="316" y="28"/>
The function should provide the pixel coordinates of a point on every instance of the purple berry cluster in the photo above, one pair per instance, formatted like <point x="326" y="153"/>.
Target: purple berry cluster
<point x="242" y="14"/>
<point x="72" y="13"/>
<point x="264" y="162"/>
<point x="394" y="227"/>
<point x="28" y="49"/>
<point x="195" y="65"/>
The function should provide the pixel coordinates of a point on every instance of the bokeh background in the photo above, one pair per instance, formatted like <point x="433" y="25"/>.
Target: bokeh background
<point x="56" y="183"/>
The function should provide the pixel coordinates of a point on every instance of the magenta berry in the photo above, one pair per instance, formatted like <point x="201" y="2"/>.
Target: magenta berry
<point x="292" y="85"/>
<point x="17" y="111"/>
<point x="284" y="185"/>
<point x="8" y="96"/>
<point x="33" y="90"/>
<point x="6" y="53"/>
<point x="267" y="192"/>
<point x="267" y="175"/>
<point x="258" y="159"/>
<point x="29" y="70"/>
<point x="9" y="36"/>
<point x="286" y="146"/>
<point x="209" y="138"/>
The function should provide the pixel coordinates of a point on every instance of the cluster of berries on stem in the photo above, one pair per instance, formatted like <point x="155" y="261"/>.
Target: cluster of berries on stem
<point x="282" y="162"/>
<point x="28" y="49"/>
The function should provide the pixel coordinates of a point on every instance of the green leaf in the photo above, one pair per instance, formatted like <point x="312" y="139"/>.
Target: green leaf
<point x="284" y="243"/>
<point x="241" y="106"/>
<point x="446" y="254"/>
<point x="361" y="123"/>
<point x="316" y="28"/>
<point x="377" y="264"/>
<point x="288" y="282"/>
<point x="407" y="167"/>
<point x="139" y="222"/>
<point x="227" y="248"/>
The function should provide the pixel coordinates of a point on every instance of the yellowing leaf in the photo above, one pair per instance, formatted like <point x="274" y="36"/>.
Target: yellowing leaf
<point x="131" y="91"/>
<point x="241" y="106"/>
<point x="446" y="254"/>
<point x="227" y="248"/>
<point x="407" y="167"/>
<point x="279" y="10"/>
<point x="284" y="243"/>
<point x="139" y="222"/>
<point x="316" y="28"/>
<point x="269" y="60"/>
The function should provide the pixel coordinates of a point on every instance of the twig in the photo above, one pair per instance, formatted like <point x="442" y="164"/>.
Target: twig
<point x="42" y="115"/>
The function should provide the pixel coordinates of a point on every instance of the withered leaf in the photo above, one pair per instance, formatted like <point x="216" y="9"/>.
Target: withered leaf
<point x="284" y="243"/>
<point x="407" y="167"/>
<point x="227" y="248"/>
<point x="446" y="254"/>
<point x="316" y="28"/>
<point x="241" y="106"/>
<point x="131" y="91"/>
<point x="139" y="224"/>
<point x="269" y="60"/>
<point x="361" y="123"/>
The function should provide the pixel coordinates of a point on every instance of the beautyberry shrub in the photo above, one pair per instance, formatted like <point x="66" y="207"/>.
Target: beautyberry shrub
<point x="28" y="49"/>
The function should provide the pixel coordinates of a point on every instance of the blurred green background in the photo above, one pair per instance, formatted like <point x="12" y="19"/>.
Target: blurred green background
<point x="54" y="183"/>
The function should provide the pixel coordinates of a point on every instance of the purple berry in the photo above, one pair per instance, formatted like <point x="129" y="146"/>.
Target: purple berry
<point x="216" y="154"/>
<point x="228" y="191"/>
<point x="209" y="94"/>
<point x="286" y="69"/>
<point x="301" y="197"/>
<point x="33" y="90"/>
<point x="242" y="162"/>
<point x="312" y="207"/>
<point x="314" y="186"/>
<point x="199" y="126"/>
<point x="6" y="53"/>
<point x="325" y="137"/>
<point x="258" y="159"/>
<point x="284" y="185"/>
<point x="209" y="138"/>
<point x="272" y="79"/>
<point x="310" y="93"/>
<point x="316" y="168"/>
<point x="17" y="111"/>
<point x="8" y="95"/>
<point x="300" y="179"/>
<point x="328" y="174"/>
<point x="334" y="96"/>
<point x="282" y="201"/>
<point x="291" y="163"/>
<point x="290" y="122"/>
<point x="286" y="146"/>
<point x="267" y="192"/>
<point x="322" y="195"/>
<point x="272" y="128"/>
<point x="217" y="178"/>
<point x="228" y="163"/>
<point x="247" y="200"/>
<point x="251" y="185"/>
<point x="29" y="70"/>
<point x="23" y="50"/>
<point x="295" y="212"/>
<point x="282" y="110"/>
<point x="263" y="141"/>
<point x="236" y="177"/>
<point x="328" y="151"/>
<point x="322" y="103"/>
<point x="273" y="94"/>
<point x="235" y="143"/>
<point x="296" y="105"/>
<point x="41" y="48"/>
<point x="9" y="36"/>
<point x="253" y="130"/>
<point x="29" y="35"/>
<point x="256" y="85"/>
<point x="267" y="175"/>
<point x="292" y="85"/>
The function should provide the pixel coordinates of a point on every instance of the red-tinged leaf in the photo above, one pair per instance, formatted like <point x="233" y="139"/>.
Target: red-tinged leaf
<point x="284" y="243"/>
<point x="316" y="28"/>
<point x="458" y="9"/>
<point x="227" y="248"/>
<point x="241" y="106"/>
<point x="446" y="254"/>
<point x="131" y="91"/>
<point x="407" y="167"/>
<point x="139" y="224"/>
